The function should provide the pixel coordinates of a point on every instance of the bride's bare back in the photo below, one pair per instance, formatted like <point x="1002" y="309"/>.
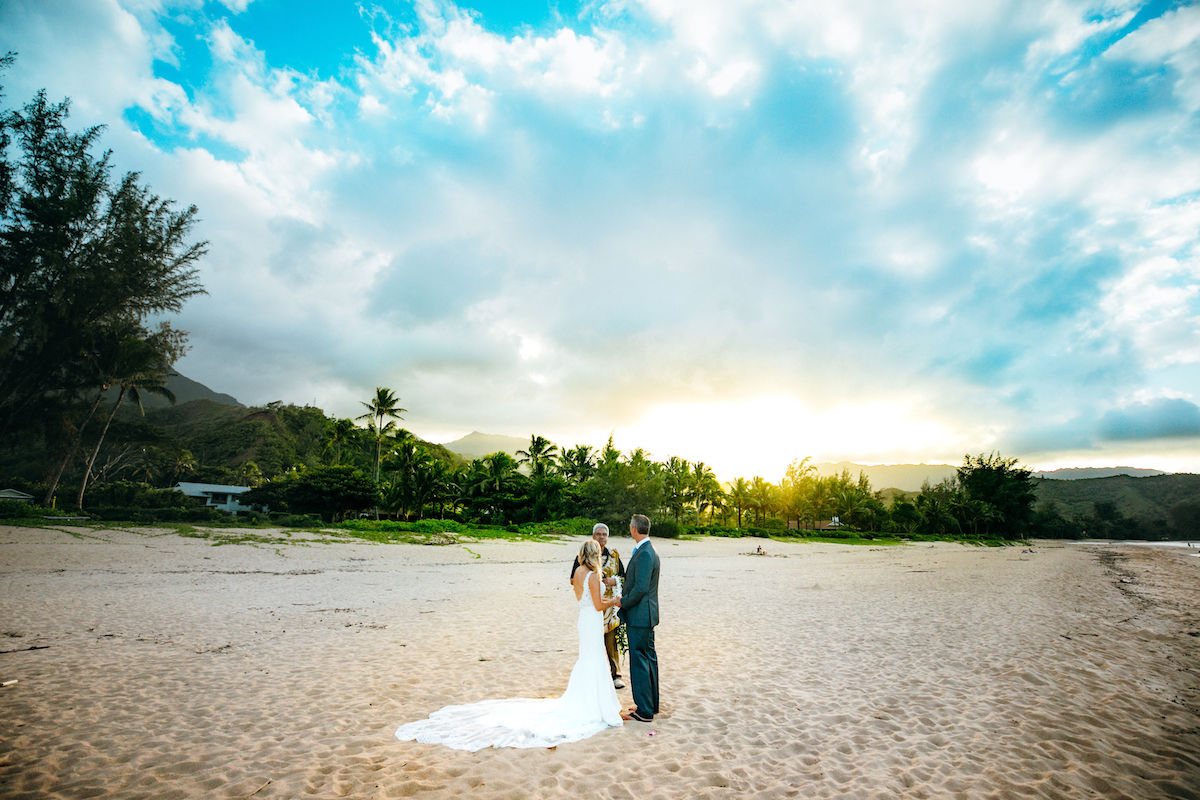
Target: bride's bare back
<point x="593" y="585"/>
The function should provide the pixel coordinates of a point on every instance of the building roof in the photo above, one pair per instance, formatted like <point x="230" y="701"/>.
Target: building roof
<point x="14" y="494"/>
<point x="200" y="489"/>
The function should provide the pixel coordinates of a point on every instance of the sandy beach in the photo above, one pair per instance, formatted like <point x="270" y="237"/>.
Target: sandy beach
<point x="151" y="665"/>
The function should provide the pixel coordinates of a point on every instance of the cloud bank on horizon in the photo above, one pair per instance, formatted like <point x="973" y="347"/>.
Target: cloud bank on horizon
<point x="740" y="231"/>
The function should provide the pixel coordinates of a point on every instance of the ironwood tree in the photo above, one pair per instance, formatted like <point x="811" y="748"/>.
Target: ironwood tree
<point x="87" y="260"/>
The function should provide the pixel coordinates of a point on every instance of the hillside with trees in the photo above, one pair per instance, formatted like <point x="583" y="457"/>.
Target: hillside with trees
<point x="1121" y="506"/>
<point x="302" y="461"/>
<point x="89" y="264"/>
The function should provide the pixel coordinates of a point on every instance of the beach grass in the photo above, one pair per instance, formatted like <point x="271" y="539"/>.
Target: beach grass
<point x="310" y="530"/>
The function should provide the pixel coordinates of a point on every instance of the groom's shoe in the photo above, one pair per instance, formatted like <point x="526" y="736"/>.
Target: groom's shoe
<point x="634" y="715"/>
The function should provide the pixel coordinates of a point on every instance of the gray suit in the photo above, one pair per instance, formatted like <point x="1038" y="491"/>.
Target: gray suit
<point x="639" y="611"/>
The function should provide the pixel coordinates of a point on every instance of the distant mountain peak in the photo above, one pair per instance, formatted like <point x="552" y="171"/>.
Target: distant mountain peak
<point x="1082" y="473"/>
<point x="185" y="390"/>
<point x="477" y="444"/>
<point x="907" y="477"/>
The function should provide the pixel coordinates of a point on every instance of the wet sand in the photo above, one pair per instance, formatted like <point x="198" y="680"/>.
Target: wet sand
<point x="150" y="665"/>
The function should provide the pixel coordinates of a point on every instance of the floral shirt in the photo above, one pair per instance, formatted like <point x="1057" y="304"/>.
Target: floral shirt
<point x="611" y="566"/>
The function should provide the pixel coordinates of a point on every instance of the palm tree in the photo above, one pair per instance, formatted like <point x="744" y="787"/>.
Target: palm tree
<point x="676" y="480"/>
<point x="577" y="464"/>
<point x="638" y="459"/>
<point x="183" y="465"/>
<point x="499" y="472"/>
<point x="715" y="500"/>
<point x="541" y="453"/>
<point x="143" y="365"/>
<point x="739" y="497"/>
<point x="337" y="433"/>
<point x="76" y="436"/>
<point x="702" y="487"/>
<point x="441" y="484"/>
<point x="762" y="496"/>
<point x="426" y="477"/>
<point x="101" y="361"/>
<point x="404" y="464"/>
<point x="249" y="474"/>
<point x="384" y="406"/>
<point x="490" y="481"/>
<point x="847" y="502"/>
<point x="820" y="497"/>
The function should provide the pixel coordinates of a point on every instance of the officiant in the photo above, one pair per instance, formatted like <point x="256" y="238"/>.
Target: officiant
<point x="610" y="568"/>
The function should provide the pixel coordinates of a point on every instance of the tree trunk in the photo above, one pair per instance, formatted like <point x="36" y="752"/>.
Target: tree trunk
<point x="72" y="450"/>
<point x="92" y="460"/>
<point x="378" y="448"/>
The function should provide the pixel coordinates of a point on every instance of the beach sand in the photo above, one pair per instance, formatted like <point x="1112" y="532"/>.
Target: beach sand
<point x="150" y="665"/>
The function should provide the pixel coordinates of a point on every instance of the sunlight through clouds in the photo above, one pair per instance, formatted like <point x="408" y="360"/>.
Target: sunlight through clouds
<point x="762" y="435"/>
<point x="736" y="231"/>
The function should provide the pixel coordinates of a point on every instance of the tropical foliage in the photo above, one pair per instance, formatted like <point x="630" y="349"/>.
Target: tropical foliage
<point x="87" y="261"/>
<point x="304" y="462"/>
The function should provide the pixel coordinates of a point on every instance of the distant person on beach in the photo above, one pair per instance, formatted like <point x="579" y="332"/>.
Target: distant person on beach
<point x="610" y="568"/>
<point x="639" y="611"/>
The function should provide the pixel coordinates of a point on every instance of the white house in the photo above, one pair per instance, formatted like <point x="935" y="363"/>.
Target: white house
<point x="215" y="495"/>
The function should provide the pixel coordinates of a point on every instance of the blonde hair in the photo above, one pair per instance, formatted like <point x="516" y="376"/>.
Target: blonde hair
<point x="589" y="555"/>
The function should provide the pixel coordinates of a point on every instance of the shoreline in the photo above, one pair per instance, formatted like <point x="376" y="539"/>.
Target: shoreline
<point x="1183" y="547"/>
<point x="170" y="667"/>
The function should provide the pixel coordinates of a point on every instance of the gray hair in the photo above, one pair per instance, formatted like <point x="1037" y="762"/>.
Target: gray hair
<point x="599" y="526"/>
<point x="642" y="523"/>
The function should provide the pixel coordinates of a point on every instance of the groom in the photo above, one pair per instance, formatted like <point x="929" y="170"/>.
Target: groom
<point x="639" y="612"/>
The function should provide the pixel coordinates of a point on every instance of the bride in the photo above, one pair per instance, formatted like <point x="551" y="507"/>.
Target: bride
<point x="588" y="706"/>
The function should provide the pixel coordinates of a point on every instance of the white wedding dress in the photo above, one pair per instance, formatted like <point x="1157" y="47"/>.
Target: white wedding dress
<point x="588" y="706"/>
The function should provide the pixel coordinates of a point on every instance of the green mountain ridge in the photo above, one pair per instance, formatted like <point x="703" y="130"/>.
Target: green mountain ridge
<point x="275" y="437"/>
<point x="1077" y="473"/>
<point x="1147" y="500"/>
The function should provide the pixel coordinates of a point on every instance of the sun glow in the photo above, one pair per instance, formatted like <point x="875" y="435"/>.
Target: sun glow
<point x="761" y="436"/>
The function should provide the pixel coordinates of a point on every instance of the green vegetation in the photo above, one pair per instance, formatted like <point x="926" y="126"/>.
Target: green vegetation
<point x="311" y="470"/>
<point x="1120" y="507"/>
<point x="324" y="491"/>
<point x="88" y="263"/>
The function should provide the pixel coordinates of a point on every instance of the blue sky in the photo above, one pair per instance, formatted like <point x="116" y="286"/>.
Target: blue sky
<point x="743" y="232"/>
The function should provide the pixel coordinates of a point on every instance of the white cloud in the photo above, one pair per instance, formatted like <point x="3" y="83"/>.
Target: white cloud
<point x="731" y="76"/>
<point x="564" y="229"/>
<point x="1156" y="305"/>
<point x="1068" y="28"/>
